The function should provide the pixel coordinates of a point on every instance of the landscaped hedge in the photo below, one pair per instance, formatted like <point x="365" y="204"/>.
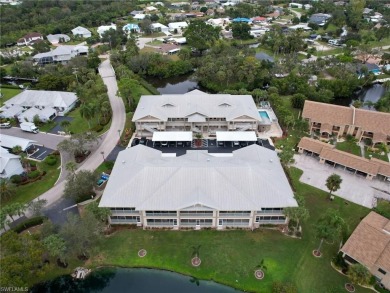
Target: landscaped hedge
<point x="9" y="86"/>
<point x="16" y="179"/>
<point x="51" y="160"/>
<point x="29" y="223"/>
<point x="34" y="174"/>
<point x="148" y="86"/>
<point x="85" y="197"/>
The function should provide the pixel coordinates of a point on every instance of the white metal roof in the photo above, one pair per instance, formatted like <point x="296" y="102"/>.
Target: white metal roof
<point x="80" y="31"/>
<point x="236" y="136"/>
<point x="172" y="136"/>
<point x="251" y="179"/>
<point x="10" y="112"/>
<point x="31" y="98"/>
<point x="196" y="103"/>
<point x="9" y="141"/>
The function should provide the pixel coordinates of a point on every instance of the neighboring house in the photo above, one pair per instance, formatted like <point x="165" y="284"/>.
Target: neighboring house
<point x="140" y="16"/>
<point x="197" y="111"/>
<point x="327" y="153"/>
<point x="104" y="28"/>
<point x="150" y="9"/>
<point x="61" y="54"/>
<point x="30" y="39"/>
<point x="369" y="245"/>
<point x="327" y="120"/>
<point x="61" y="102"/>
<point x="9" y="164"/>
<point x="319" y="18"/>
<point x="197" y="190"/>
<point x="59" y="38"/>
<point x="11" y="112"/>
<point x="8" y="142"/>
<point x="81" y="32"/>
<point x="44" y="115"/>
<point x="371" y="67"/>
<point x="259" y="20"/>
<point x="221" y="22"/>
<point x="169" y="49"/>
<point x="177" y="25"/>
<point x="158" y="27"/>
<point x="210" y="12"/>
<point x="131" y="28"/>
<point x="295" y="5"/>
<point x="135" y="12"/>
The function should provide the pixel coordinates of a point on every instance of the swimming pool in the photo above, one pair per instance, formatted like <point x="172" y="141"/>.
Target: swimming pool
<point x="264" y="114"/>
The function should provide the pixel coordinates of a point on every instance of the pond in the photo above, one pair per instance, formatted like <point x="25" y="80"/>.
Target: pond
<point x="371" y="94"/>
<point x="114" y="280"/>
<point x="175" y="85"/>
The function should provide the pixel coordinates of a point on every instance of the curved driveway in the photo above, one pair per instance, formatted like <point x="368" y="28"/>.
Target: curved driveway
<point x="110" y="138"/>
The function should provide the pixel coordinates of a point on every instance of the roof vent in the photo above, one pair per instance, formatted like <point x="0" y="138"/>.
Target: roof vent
<point x="208" y="160"/>
<point x="123" y="162"/>
<point x="270" y="160"/>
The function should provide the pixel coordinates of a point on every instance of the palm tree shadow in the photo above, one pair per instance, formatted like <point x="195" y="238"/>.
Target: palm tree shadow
<point x="195" y="280"/>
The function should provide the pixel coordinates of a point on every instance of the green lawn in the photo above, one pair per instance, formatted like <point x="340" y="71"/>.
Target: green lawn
<point x="231" y="256"/>
<point x="8" y="94"/>
<point x="80" y="125"/>
<point x="349" y="147"/>
<point x="26" y="193"/>
<point x="379" y="156"/>
<point x="155" y="43"/>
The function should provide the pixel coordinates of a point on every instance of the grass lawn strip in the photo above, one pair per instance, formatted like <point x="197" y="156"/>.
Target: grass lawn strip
<point x="8" y="94"/>
<point x="26" y="193"/>
<point x="233" y="255"/>
<point x="349" y="147"/>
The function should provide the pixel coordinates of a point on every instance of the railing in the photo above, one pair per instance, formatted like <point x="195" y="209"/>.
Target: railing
<point x="133" y="221"/>
<point x="170" y="224"/>
<point x="234" y="214"/>
<point x="161" y="214"/>
<point x="271" y="222"/>
<point x="194" y="224"/>
<point x="196" y="215"/>
<point x="270" y="212"/>
<point x="125" y="212"/>
<point x="235" y="224"/>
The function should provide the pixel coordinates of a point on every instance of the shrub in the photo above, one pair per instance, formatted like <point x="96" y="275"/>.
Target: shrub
<point x="33" y="164"/>
<point x="109" y="164"/>
<point x="339" y="261"/>
<point x="16" y="179"/>
<point x="51" y="160"/>
<point x="29" y="223"/>
<point x="97" y="128"/>
<point x="33" y="174"/>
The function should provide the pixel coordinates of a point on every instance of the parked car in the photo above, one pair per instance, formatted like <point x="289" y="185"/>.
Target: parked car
<point x="157" y="144"/>
<point x="243" y="144"/>
<point x="135" y="142"/>
<point x="164" y="143"/>
<point x="5" y="125"/>
<point x="236" y="143"/>
<point x="180" y="144"/>
<point x="221" y="143"/>
<point x="142" y="140"/>
<point x="188" y="144"/>
<point x="172" y="143"/>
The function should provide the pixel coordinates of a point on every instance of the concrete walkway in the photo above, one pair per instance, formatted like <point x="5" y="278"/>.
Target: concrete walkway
<point x="354" y="188"/>
<point x="109" y="140"/>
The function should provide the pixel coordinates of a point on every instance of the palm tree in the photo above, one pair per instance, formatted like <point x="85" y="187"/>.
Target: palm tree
<point x="65" y="124"/>
<point x="25" y="162"/>
<point x="195" y="251"/>
<point x="7" y="189"/>
<point x="260" y="269"/>
<point x="329" y="227"/>
<point x="17" y="149"/>
<point x="195" y="281"/>
<point x="87" y="111"/>
<point x="333" y="183"/>
<point x="105" y="109"/>
<point x="359" y="274"/>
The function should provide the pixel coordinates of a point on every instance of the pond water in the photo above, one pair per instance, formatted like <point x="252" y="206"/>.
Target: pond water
<point x="117" y="280"/>
<point x="372" y="94"/>
<point x="175" y="85"/>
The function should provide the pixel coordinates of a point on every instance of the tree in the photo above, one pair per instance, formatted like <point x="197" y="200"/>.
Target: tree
<point x="77" y="143"/>
<point x="295" y="20"/>
<point x="36" y="206"/>
<point x="359" y="274"/>
<point x="355" y="13"/>
<point x="286" y="156"/>
<point x="145" y="25"/>
<point x="333" y="183"/>
<point x="71" y="167"/>
<point x="36" y="119"/>
<point x="56" y="247"/>
<point x="241" y="31"/>
<point x="329" y="227"/>
<point x="3" y="219"/>
<point x="87" y="111"/>
<point x="261" y="266"/>
<point x="297" y="214"/>
<point x="200" y="35"/>
<point x="298" y="101"/>
<point x="65" y="124"/>
<point x="93" y="60"/>
<point x="7" y="189"/>
<point x="101" y="214"/>
<point x="16" y="150"/>
<point x="80" y="184"/>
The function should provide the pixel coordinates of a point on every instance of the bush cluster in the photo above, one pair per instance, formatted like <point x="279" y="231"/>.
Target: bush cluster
<point x="51" y="160"/>
<point x="29" y="223"/>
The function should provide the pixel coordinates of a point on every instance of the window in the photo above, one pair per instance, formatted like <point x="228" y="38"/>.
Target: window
<point x="270" y="219"/>
<point x="234" y="213"/>
<point x="128" y="219"/>
<point x="383" y="272"/>
<point x="160" y="213"/>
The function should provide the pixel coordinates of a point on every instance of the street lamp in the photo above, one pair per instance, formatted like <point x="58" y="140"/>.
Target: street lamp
<point x="102" y="153"/>
<point x="119" y="133"/>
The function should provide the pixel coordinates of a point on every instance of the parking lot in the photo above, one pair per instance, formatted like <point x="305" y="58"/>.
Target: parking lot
<point x="354" y="187"/>
<point x="58" y="121"/>
<point x="40" y="152"/>
<point x="211" y="145"/>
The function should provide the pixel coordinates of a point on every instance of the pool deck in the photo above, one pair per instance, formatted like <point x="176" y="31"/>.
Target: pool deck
<point x="276" y="130"/>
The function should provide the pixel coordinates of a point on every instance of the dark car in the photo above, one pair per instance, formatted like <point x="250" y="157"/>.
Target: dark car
<point x="157" y="144"/>
<point x="188" y="143"/>
<point x="172" y="143"/>
<point x="142" y="140"/>
<point x="135" y="142"/>
<point x="180" y="144"/>
<point x="221" y="143"/>
<point x="243" y="144"/>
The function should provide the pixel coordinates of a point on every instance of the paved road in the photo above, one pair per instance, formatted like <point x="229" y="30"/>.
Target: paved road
<point x="109" y="140"/>
<point x="47" y="139"/>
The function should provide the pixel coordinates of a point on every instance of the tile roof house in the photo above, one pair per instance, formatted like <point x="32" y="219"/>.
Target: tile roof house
<point x="81" y="32"/>
<point x="328" y="119"/>
<point x="30" y="39"/>
<point x="369" y="245"/>
<point x="328" y="153"/>
<point x="245" y="189"/>
<point x="61" y="102"/>
<point x="9" y="164"/>
<point x="196" y="111"/>
<point x="61" y="54"/>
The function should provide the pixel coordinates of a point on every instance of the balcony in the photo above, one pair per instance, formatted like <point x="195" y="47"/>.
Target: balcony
<point x="198" y="214"/>
<point x="116" y="212"/>
<point x="234" y="214"/>
<point x="271" y="222"/>
<point x="173" y="214"/>
<point x="278" y="212"/>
